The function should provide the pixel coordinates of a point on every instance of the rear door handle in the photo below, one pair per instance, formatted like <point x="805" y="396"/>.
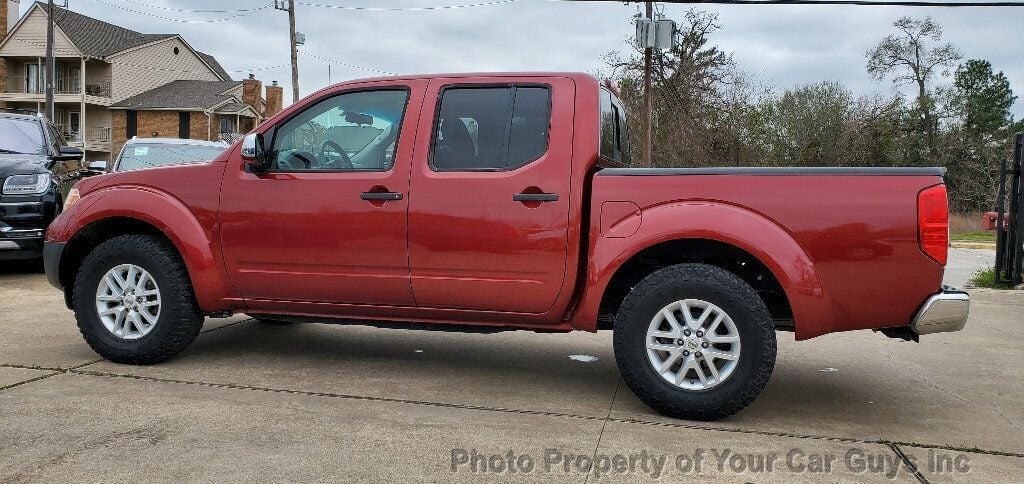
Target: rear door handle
<point x="380" y="196"/>
<point x="535" y="197"/>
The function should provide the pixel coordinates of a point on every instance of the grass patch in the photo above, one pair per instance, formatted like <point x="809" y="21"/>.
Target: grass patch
<point x="986" y="278"/>
<point x="974" y="237"/>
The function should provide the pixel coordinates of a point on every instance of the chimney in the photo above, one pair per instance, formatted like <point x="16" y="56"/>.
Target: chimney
<point x="10" y="11"/>
<point x="251" y="91"/>
<point x="275" y="97"/>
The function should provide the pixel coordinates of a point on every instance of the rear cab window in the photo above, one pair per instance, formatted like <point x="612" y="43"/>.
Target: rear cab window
<point x="491" y="128"/>
<point x="614" y="135"/>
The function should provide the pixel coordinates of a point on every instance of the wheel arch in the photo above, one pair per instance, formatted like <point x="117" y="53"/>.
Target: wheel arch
<point x="113" y="213"/>
<point x="734" y="238"/>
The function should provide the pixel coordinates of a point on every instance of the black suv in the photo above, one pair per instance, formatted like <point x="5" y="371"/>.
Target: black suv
<point x="37" y="170"/>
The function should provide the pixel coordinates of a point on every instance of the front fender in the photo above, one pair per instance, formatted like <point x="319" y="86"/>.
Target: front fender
<point x="761" y="237"/>
<point x="171" y="217"/>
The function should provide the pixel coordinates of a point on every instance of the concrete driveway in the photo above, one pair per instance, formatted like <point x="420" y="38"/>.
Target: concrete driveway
<point x="255" y="402"/>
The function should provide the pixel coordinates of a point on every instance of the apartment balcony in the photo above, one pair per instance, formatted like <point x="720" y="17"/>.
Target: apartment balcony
<point x="97" y="138"/>
<point x="68" y="89"/>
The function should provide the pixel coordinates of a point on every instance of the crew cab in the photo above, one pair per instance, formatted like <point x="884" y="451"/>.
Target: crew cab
<point x="489" y="202"/>
<point x="36" y="169"/>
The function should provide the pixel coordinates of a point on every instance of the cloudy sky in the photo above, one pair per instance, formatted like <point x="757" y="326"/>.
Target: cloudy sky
<point x="781" y="45"/>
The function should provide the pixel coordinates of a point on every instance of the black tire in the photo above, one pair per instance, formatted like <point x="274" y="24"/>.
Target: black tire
<point x="721" y="288"/>
<point x="179" y="320"/>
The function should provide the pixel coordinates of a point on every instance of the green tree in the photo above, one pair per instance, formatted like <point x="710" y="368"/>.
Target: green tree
<point x="983" y="97"/>
<point x="909" y="57"/>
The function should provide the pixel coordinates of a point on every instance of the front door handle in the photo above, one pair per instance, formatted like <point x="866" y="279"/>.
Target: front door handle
<point x="380" y="196"/>
<point x="535" y="197"/>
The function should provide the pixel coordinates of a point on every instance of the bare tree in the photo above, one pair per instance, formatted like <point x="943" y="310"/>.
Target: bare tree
<point x="909" y="57"/>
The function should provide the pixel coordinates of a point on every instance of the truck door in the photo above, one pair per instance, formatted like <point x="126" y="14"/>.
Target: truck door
<point x="489" y="213"/>
<point x="327" y="221"/>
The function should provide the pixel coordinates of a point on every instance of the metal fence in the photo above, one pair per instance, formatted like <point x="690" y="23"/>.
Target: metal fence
<point x="1009" y="268"/>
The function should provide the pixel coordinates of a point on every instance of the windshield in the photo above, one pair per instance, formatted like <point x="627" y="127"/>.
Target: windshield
<point x="146" y="155"/>
<point x="21" y="136"/>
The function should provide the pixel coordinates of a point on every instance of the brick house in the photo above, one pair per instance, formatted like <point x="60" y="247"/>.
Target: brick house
<point x="112" y="82"/>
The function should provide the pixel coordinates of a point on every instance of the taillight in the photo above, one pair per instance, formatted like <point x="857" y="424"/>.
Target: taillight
<point x="933" y="222"/>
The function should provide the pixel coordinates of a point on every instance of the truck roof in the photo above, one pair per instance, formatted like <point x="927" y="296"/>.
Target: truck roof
<point x="457" y="75"/>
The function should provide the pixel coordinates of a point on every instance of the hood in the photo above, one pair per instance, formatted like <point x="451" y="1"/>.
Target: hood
<point x="22" y="164"/>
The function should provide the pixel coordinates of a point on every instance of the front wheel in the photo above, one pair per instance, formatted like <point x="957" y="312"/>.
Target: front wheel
<point x="133" y="301"/>
<point x="694" y="341"/>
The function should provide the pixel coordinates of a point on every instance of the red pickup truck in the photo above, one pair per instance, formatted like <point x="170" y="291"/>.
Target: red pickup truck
<point x="488" y="202"/>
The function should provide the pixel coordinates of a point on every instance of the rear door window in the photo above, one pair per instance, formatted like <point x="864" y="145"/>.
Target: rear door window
<point x="491" y="128"/>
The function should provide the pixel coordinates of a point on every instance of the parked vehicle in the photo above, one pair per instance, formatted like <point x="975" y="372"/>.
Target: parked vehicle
<point x="150" y="152"/>
<point x="36" y="171"/>
<point x="502" y="201"/>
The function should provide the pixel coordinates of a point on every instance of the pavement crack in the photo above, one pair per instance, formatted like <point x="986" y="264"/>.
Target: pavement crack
<point x="597" y="446"/>
<point x="544" y="413"/>
<point x="30" y="380"/>
<point x="907" y="461"/>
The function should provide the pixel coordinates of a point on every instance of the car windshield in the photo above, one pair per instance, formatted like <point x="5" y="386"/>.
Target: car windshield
<point x="21" y="136"/>
<point x="146" y="155"/>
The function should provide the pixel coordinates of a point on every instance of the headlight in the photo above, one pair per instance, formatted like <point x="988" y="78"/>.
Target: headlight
<point x="73" y="197"/>
<point x="27" y="184"/>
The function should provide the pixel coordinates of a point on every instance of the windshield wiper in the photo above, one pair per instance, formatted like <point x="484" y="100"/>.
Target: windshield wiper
<point x="12" y="152"/>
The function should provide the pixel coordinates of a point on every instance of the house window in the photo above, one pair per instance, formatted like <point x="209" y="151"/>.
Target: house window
<point x="32" y="80"/>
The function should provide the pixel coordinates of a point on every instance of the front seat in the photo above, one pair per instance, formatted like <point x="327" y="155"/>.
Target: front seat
<point x="455" y="148"/>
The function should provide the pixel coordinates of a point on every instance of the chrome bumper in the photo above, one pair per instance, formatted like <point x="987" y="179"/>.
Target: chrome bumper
<point x="943" y="312"/>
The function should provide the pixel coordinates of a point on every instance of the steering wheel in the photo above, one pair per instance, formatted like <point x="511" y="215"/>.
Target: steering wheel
<point x="303" y="160"/>
<point x="343" y="160"/>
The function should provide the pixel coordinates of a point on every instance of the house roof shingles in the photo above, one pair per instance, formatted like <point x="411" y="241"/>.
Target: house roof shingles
<point x="96" y="38"/>
<point x="215" y="65"/>
<point x="182" y="95"/>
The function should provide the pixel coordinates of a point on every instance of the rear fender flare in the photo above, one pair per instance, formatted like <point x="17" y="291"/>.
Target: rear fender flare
<point x="738" y="226"/>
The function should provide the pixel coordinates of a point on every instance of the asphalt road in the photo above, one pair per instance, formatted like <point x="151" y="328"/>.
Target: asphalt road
<point x="963" y="263"/>
<point x="253" y="402"/>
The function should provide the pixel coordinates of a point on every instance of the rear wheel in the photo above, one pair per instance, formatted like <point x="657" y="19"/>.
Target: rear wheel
<point x="694" y="341"/>
<point x="134" y="302"/>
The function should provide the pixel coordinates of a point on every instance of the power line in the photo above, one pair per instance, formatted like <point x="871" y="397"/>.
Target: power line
<point x="183" y="21"/>
<point x="408" y="9"/>
<point x="172" y="9"/>
<point x="869" y="3"/>
<point x="345" y="64"/>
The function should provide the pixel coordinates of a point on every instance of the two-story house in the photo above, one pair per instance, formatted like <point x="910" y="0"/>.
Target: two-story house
<point x="112" y="83"/>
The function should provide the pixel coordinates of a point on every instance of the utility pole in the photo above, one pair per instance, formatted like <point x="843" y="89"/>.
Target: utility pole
<point x="648" y="108"/>
<point x="293" y="43"/>
<point x="50" y="63"/>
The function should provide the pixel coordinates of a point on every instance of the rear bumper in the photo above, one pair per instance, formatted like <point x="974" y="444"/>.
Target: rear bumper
<point x="943" y="312"/>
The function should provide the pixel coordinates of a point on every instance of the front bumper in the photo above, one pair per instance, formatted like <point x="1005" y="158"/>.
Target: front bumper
<point x="52" y="253"/>
<point x="22" y="226"/>
<point x="20" y="243"/>
<point x="943" y="312"/>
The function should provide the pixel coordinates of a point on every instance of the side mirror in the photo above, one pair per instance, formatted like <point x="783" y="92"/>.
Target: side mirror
<point x="253" y="152"/>
<point x="69" y="153"/>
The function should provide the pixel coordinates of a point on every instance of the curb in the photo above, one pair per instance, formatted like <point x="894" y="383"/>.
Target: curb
<point x="956" y="244"/>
